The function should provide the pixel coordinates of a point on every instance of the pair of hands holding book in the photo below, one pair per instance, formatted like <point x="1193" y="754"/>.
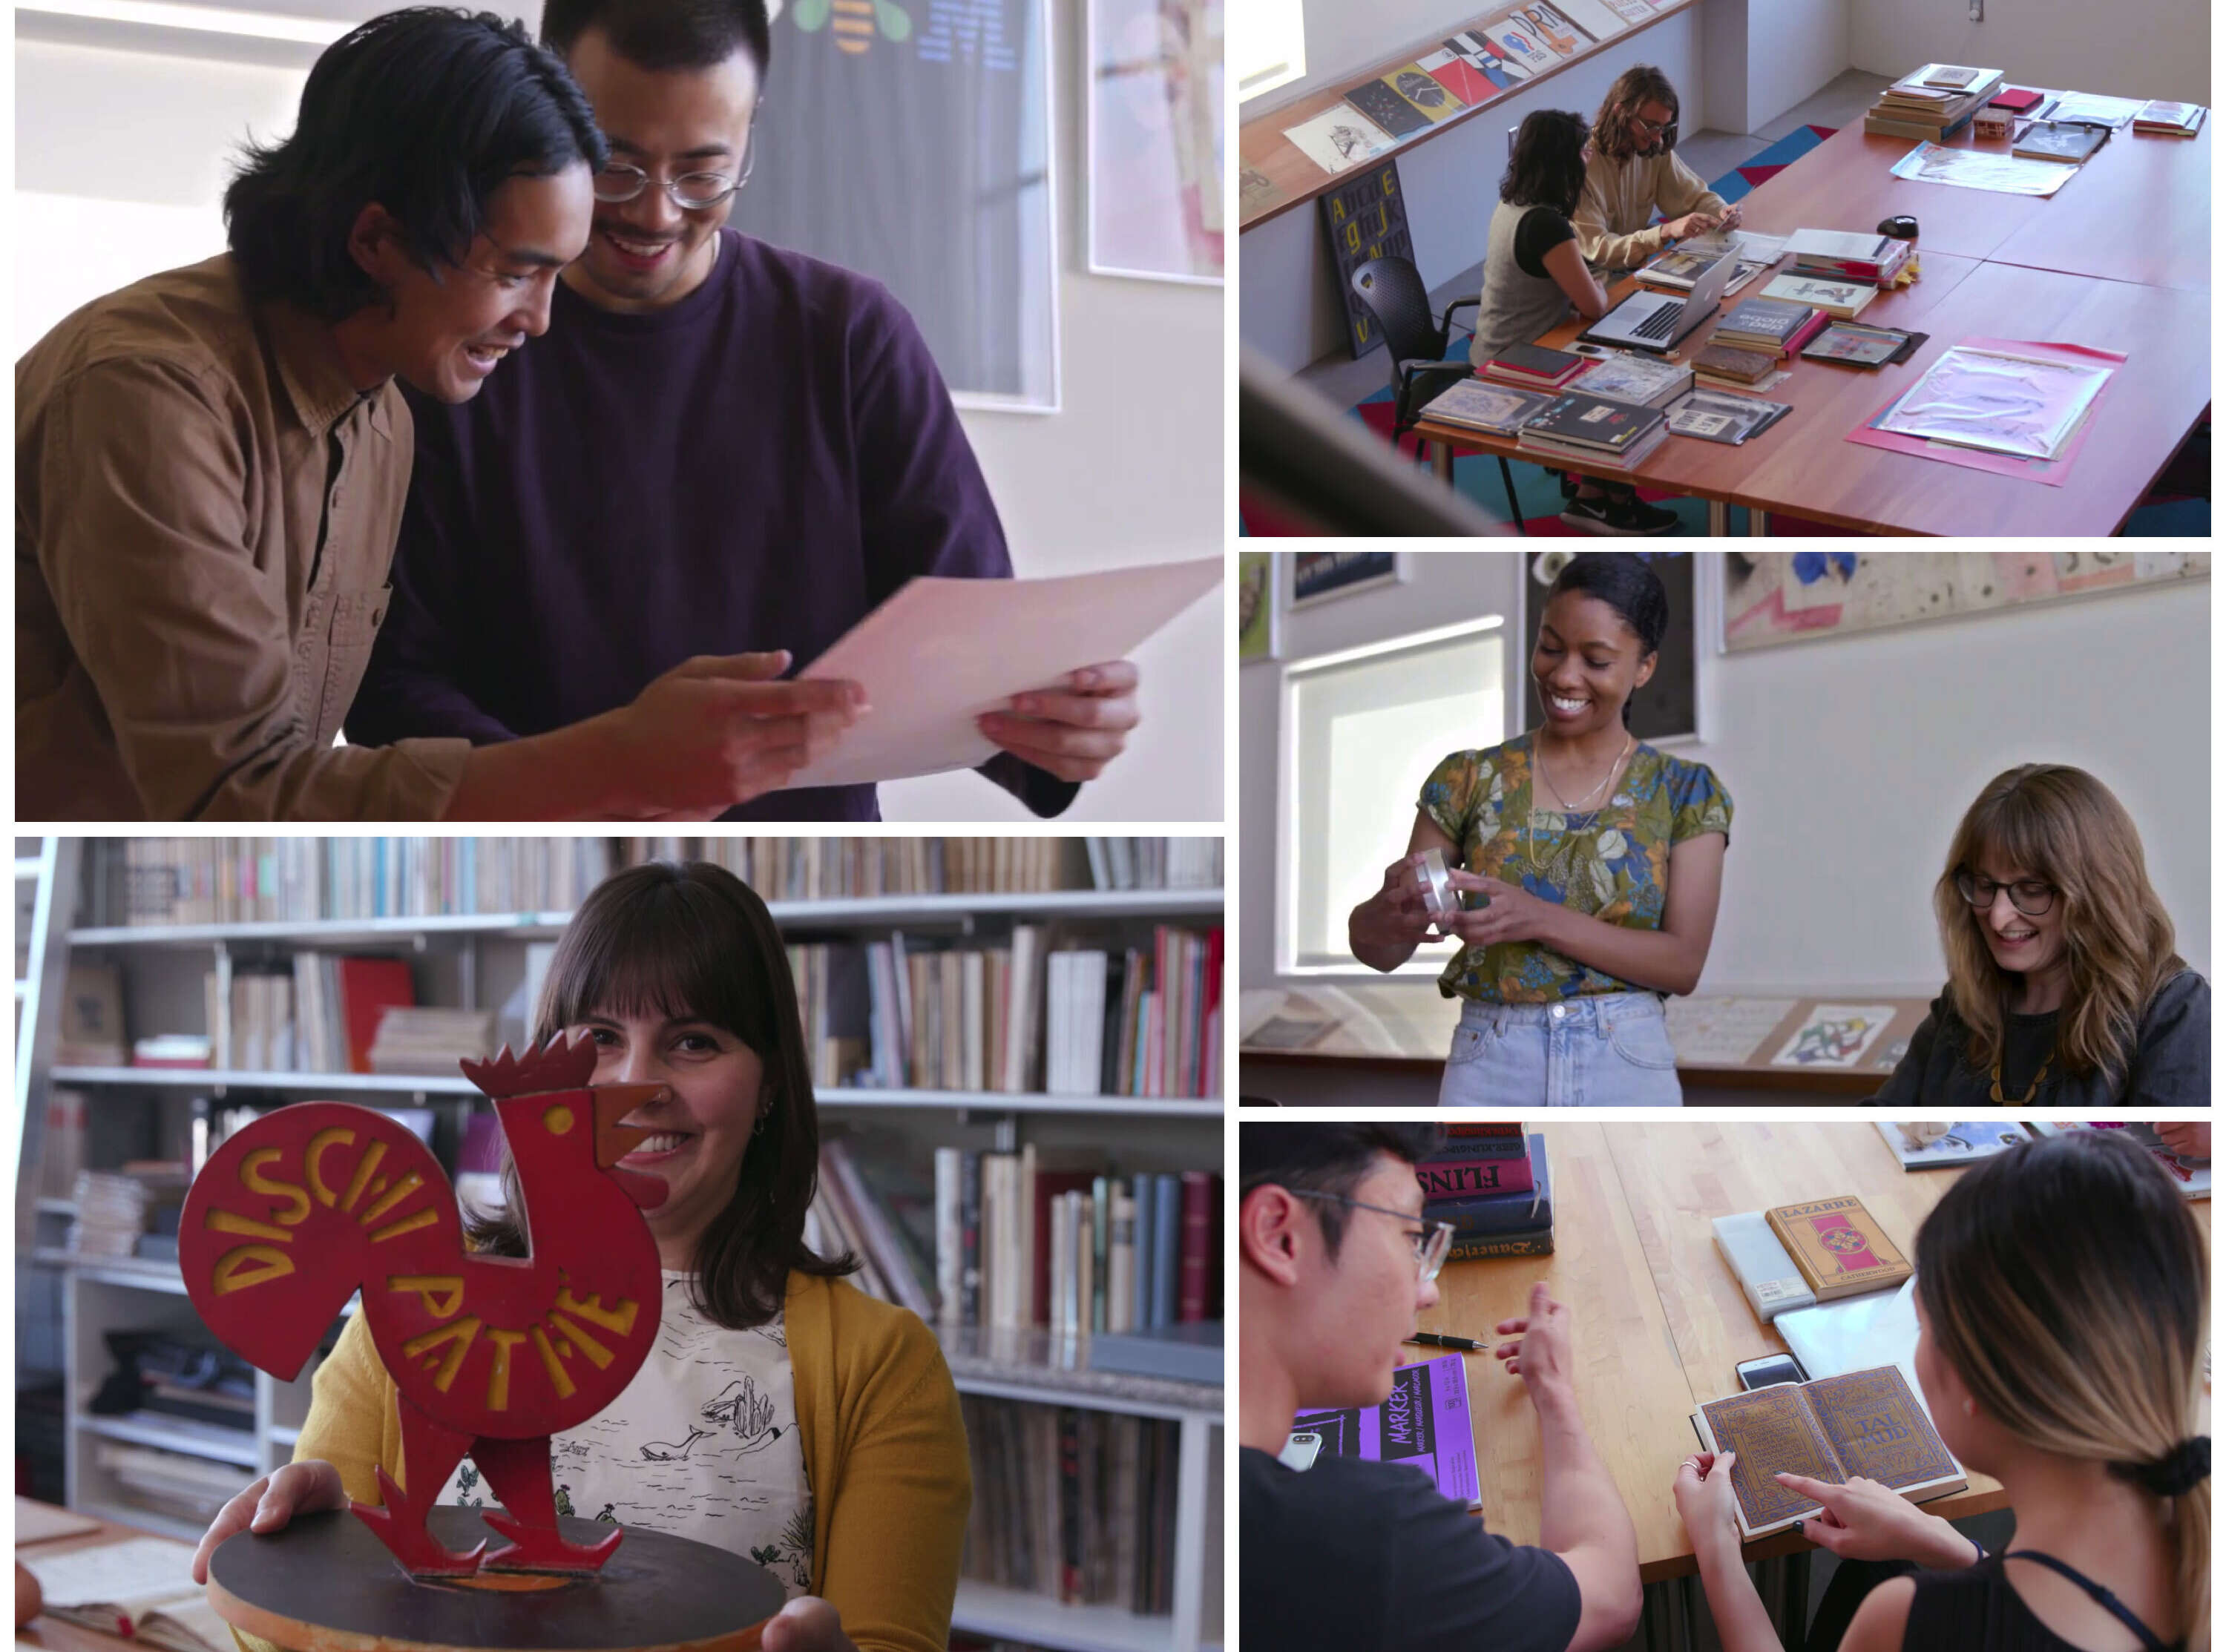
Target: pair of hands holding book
<point x="806" y="1624"/>
<point x="1861" y="1520"/>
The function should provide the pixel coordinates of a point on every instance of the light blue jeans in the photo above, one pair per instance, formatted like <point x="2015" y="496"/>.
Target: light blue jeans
<point x="1609" y="1051"/>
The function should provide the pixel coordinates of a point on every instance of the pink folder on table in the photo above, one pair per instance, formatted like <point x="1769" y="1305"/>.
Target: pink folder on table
<point x="2050" y="472"/>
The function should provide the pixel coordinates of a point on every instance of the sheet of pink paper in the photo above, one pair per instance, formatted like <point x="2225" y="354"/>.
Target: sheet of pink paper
<point x="2049" y="472"/>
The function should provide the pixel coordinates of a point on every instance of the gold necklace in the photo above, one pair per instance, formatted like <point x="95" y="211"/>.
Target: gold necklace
<point x="1530" y="817"/>
<point x="1994" y="1089"/>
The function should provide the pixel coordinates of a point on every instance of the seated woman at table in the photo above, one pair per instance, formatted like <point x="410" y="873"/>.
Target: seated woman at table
<point x="1594" y="862"/>
<point x="1533" y="277"/>
<point x="1632" y="172"/>
<point x="2060" y="1295"/>
<point x="2063" y="986"/>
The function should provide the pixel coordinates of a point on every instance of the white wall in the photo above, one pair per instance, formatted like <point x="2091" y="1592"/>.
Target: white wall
<point x="1291" y="310"/>
<point x="122" y="157"/>
<point x="1850" y="761"/>
<point x="1793" y="48"/>
<point x="2137" y="48"/>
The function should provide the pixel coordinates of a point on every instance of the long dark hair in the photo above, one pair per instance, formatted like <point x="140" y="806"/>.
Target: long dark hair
<point x="2066" y="1283"/>
<point x="1627" y="583"/>
<point x="694" y="940"/>
<point x="1547" y="166"/>
<point x="427" y="111"/>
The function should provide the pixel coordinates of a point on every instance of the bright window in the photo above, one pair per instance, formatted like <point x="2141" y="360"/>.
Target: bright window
<point x="1361" y="730"/>
<point x="1267" y="42"/>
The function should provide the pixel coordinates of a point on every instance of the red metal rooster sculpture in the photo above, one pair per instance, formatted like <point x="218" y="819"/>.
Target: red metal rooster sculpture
<point x="491" y="1354"/>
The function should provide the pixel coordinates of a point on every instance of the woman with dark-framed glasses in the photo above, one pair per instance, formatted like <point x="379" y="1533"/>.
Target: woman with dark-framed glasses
<point x="2064" y="989"/>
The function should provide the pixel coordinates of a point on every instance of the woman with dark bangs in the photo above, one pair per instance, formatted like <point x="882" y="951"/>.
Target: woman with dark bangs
<point x="2063" y="986"/>
<point x="782" y="1413"/>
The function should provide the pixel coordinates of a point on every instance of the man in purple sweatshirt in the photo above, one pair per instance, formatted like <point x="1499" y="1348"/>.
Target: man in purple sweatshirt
<point x="719" y="447"/>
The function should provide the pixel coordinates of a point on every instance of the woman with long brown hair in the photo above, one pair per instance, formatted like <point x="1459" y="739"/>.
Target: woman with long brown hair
<point x="1633" y="171"/>
<point x="781" y="1415"/>
<point x="2061" y="1296"/>
<point x="2063" y="986"/>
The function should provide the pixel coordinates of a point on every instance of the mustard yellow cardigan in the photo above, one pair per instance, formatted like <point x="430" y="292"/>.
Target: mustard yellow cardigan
<point x="884" y="1448"/>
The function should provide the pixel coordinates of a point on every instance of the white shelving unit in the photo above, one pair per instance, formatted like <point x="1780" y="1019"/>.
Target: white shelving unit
<point x="104" y="1294"/>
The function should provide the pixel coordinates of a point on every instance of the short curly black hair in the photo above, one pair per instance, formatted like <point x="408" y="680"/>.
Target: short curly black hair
<point x="665" y="34"/>
<point x="426" y="111"/>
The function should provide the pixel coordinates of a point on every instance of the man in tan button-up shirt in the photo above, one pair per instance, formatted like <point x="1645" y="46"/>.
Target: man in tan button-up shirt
<point x="211" y="466"/>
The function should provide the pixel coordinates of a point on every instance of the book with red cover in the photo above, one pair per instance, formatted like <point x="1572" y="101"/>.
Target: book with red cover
<point x="1531" y="364"/>
<point x="1808" y="330"/>
<point x="1464" y="1178"/>
<point x="2016" y="99"/>
<point x="1197" y="1250"/>
<point x="369" y="987"/>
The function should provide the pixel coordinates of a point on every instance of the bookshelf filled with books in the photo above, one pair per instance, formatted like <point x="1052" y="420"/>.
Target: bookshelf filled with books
<point x="1002" y="1006"/>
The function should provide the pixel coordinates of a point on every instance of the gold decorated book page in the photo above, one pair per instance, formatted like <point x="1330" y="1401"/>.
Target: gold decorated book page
<point x="1879" y="1430"/>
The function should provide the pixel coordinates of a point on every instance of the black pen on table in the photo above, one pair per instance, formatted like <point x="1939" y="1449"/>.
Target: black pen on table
<point x="1466" y="1345"/>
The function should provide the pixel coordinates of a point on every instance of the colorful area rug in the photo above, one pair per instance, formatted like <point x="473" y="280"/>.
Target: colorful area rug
<point x="2177" y="506"/>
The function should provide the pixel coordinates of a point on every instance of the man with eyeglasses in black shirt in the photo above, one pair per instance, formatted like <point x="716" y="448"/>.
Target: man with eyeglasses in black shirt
<point x="1349" y="1554"/>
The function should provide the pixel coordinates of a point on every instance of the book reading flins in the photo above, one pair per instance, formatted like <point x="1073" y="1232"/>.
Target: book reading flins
<point x="1860" y="1423"/>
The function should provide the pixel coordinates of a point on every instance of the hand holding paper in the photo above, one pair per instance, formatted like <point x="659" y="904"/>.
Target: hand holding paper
<point x="1072" y="730"/>
<point x="942" y="653"/>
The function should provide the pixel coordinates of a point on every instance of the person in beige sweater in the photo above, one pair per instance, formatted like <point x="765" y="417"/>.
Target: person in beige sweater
<point x="1634" y="171"/>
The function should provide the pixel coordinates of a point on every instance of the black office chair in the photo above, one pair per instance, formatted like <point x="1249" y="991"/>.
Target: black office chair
<point x="1392" y="289"/>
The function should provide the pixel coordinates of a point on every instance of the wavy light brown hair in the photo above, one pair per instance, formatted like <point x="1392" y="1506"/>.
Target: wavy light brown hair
<point x="696" y="941"/>
<point x="1642" y="83"/>
<point x="2067" y="1285"/>
<point x="2061" y="824"/>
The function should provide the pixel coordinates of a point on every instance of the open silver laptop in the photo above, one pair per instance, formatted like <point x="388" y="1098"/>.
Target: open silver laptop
<point x="1656" y="321"/>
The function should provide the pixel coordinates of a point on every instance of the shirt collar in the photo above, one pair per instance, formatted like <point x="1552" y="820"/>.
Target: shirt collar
<point x="316" y="380"/>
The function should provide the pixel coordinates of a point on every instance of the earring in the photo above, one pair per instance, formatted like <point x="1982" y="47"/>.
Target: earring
<point x="758" y="1130"/>
<point x="1970" y="1406"/>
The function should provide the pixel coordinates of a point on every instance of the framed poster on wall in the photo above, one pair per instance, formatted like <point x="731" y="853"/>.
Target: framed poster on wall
<point x="1321" y="576"/>
<point x="911" y="141"/>
<point x="1156" y="125"/>
<point x="1668" y="706"/>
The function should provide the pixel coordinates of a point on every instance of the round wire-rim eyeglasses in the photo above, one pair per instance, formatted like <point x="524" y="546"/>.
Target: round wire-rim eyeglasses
<point x="620" y="181"/>
<point x="1430" y="1246"/>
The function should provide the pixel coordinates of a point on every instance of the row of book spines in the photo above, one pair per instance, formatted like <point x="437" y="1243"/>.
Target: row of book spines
<point x="1074" y="1504"/>
<point x="300" y="880"/>
<point x="1019" y="1246"/>
<point x="1003" y="1018"/>
<point x="321" y="1017"/>
<point x="207" y="880"/>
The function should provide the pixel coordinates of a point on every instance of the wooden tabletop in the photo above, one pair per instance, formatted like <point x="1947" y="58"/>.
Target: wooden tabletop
<point x="52" y="1632"/>
<point x="1658" y="1319"/>
<point x="2119" y="259"/>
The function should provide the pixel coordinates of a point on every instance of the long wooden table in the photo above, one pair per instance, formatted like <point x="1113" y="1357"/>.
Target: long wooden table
<point x="1657" y="1318"/>
<point x="2119" y="259"/>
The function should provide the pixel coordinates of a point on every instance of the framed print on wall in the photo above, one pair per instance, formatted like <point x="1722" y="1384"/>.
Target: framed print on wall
<point x="1325" y="575"/>
<point x="1258" y="631"/>
<point x="1156" y="135"/>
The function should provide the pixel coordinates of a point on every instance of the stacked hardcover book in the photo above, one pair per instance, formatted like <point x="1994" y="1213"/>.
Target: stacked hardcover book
<point x="1534" y="367"/>
<point x="1499" y="409"/>
<point x="1837" y="254"/>
<point x="1770" y="324"/>
<point x="1492" y="1184"/>
<point x="2169" y="119"/>
<point x="1594" y="430"/>
<point x="1936" y="102"/>
<point x="1641" y="381"/>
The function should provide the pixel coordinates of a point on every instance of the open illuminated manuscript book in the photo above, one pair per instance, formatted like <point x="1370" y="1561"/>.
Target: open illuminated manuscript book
<point x="1835" y="1428"/>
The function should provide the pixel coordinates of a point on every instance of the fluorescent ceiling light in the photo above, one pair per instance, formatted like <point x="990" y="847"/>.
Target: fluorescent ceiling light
<point x="207" y="20"/>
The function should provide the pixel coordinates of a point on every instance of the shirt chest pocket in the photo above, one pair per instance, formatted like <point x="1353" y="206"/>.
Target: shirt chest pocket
<point x="352" y="627"/>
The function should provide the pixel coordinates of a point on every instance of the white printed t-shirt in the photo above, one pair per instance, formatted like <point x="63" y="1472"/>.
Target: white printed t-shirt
<point x="702" y="1444"/>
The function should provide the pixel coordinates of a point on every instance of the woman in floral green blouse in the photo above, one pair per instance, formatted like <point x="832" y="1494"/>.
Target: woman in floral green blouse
<point x="1589" y="865"/>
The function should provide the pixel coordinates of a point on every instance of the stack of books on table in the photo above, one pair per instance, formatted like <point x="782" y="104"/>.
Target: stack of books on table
<point x="1595" y="430"/>
<point x="1641" y="381"/>
<point x="1936" y="102"/>
<point x="1490" y="1182"/>
<point x="2169" y="119"/>
<point x="1842" y="298"/>
<point x="1840" y="255"/>
<point x="1497" y="409"/>
<point x="1535" y="368"/>
<point x="1723" y="366"/>
<point x="1770" y="324"/>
